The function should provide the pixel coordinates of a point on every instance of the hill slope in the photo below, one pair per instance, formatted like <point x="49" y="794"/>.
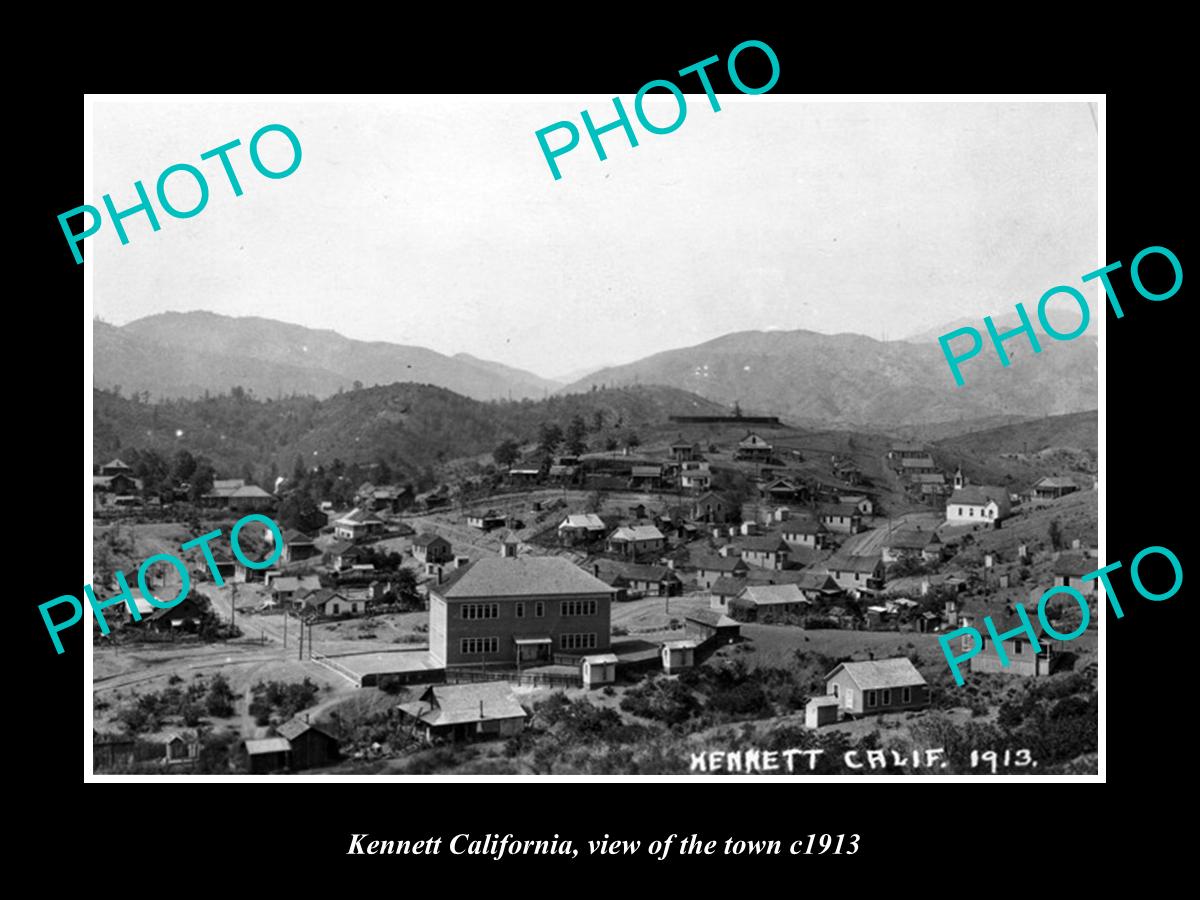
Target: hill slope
<point x="852" y="380"/>
<point x="185" y="354"/>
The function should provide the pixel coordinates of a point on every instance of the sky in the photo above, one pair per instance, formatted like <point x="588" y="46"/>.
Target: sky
<point x="436" y="221"/>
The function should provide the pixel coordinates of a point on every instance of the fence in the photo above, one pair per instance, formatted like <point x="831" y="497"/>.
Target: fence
<point x="537" y="679"/>
<point x="334" y="666"/>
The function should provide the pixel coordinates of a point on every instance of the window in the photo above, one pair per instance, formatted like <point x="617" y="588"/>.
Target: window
<point x="982" y="643"/>
<point x="476" y="646"/>
<point x="579" y="607"/>
<point x="480" y="610"/>
<point x="906" y="695"/>
<point x="577" y="641"/>
<point x="887" y="698"/>
<point x="1017" y="647"/>
<point x="520" y="610"/>
<point x="539" y="609"/>
<point x="870" y="698"/>
<point x="835" y="690"/>
<point x="972" y="512"/>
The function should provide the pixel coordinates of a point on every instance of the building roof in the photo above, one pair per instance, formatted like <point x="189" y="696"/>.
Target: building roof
<point x="711" y="618"/>
<point x="782" y="484"/>
<point x="268" y="745"/>
<point x="249" y="490"/>
<point x="1075" y="565"/>
<point x="753" y="441"/>
<point x="840" y="509"/>
<point x="525" y="576"/>
<point x="715" y="563"/>
<point x="766" y="543"/>
<point x="709" y="496"/>
<point x="293" y="537"/>
<point x="1053" y="482"/>
<point x="227" y="484"/>
<point x="117" y="464"/>
<point x="872" y="675"/>
<point x="727" y="586"/>
<point x="425" y="538"/>
<point x="337" y="548"/>
<point x="486" y="514"/>
<point x="927" y="478"/>
<point x="597" y="658"/>
<point x="843" y="563"/>
<point x="803" y="526"/>
<point x="320" y="597"/>
<point x="359" y="516"/>
<point x="910" y="539"/>
<point x="817" y="580"/>
<point x="696" y="473"/>
<point x="899" y="447"/>
<point x="296" y="727"/>
<point x="636" y="533"/>
<point x="454" y="704"/>
<point x="772" y="594"/>
<point x="918" y="462"/>
<point x="285" y="583"/>
<point x="980" y="495"/>
<point x="590" y="521"/>
<point x="647" y="471"/>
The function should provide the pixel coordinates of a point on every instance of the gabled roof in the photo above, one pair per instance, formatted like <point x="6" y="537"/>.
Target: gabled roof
<point x="486" y="514"/>
<point x="899" y="447"/>
<point x="285" y="583"/>
<point x="773" y="594"/>
<point x="727" y="586"/>
<point x="927" y="478"/>
<point x="117" y="464"/>
<point x="918" y="462"/>
<point x="1052" y="482"/>
<point x="525" y="576"/>
<point x="1075" y="565"/>
<point x="980" y="495"/>
<point x="249" y="490"/>
<point x="636" y="533"/>
<point x="818" y="580"/>
<point x="320" y="597"/>
<point x="425" y="538"/>
<point x="910" y="539"/>
<point x="864" y="564"/>
<point x="840" y="509"/>
<point x="803" y="526"/>
<point x="872" y="675"/>
<point x="337" y="548"/>
<point x="296" y="727"/>
<point x="767" y="543"/>
<point x="358" y="516"/>
<point x="590" y="521"/>
<point x="753" y="441"/>
<point x="268" y="745"/>
<point x="647" y="471"/>
<point x="709" y="496"/>
<point x="455" y="704"/>
<point x="710" y="617"/>
<point x="715" y="563"/>
<point x="293" y="537"/>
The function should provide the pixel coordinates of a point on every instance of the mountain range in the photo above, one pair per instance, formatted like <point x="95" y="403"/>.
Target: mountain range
<point x="183" y="355"/>
<point x="806" y="378"/>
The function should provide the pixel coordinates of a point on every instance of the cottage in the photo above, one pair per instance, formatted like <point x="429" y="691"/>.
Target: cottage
<point x="877" y="686"/>
<point x="287" y="589"/>
<point x="326" y="602"/>
<point x="760" y="601"/>
<point x="710" y="508"/>
<point x="783" y="489"/>
<point x="645" y="477"/>
<point x="430" y="548"/>
<point x="178" y="748"/>
<point x="599" y="668"/>
<point x="297" y="546"/>
<point x="1069" y="570"/>
<point x="912" y="544"/>
<point x="710" y="568"/>
<point x="634" y="540"/>
<point x="841" y="517"/>
<point x="723" y="590"/>
<point x="116" y="467"/>
<point x="517" y="610"/>
<point x="817" y="584"/>
<point x="356" y="525"/>
<point x="465" y="712"/>
<point x="861" y="501"/>
<point x="633" y="580"/>
<point x="695" y="479"/>
<point x="250" y="498"/>
<point x="120" y="483"/>
<point x="1017" y="650"/>
<point x="706" y="624"/>
<point x="267" y="755"/>
<point x="486" y="521"/>
<point x="344" y="555"/>
<point x="683" y="451"/>
<point x="914" y="464"/>
<point x="928" y="484"/>
<point x="753" y="448"/>
<point x="678" y="655"/>
<point x="857" y="572"/>
<point x="821" y="711"/>
<point x="222" y="490"/>
<point x="183" y="616"/>
<point x="902" y="450"/>
<point x="309" y="745"/>
<point x="579" y="528"/>
<point x="767" y="552"/>
<point x="524" y="475"/>
<point x="807" y="533"/>
<point x="1050" y="488"/>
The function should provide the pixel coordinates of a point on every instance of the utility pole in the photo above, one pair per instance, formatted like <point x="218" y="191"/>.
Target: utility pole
<point x="232" y="605"/>
<point x="285" y="618"/>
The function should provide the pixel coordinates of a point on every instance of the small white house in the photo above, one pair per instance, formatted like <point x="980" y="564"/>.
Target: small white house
<point x="678" y="655"/>
<point x="821" y="711"/>
<point x="598" y="669"/>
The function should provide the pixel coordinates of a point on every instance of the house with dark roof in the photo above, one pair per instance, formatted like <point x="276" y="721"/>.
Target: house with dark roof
<point x="708" y="624"/>
<point x="431" y="548"/>
<point x="768" y="551"/>
<point x="864" y="503"/>
<point x="328" y="602"/>
<point x="753" y="448"/>
<point x="1070" y="568"/>
<point x="517" y="611"/>
<point x="901" y="450"/>
<point x="841" y="517"/>
<point x="250" y="498"/>
<point x="711" y="567"/>
<point x="309" y="745"/>
<point x="757" y="602"/>
<point x="116" y="467"/>
<point x="808" y="533"/>
<point x="683" y="451"/>
<point x="118" y="483"/>
<point x="710" y="508"/>
<point x="911" y="543"/>
<point x="857" y="572"/>
<point x="873" y="686"/>
<point x="783" y="489"/>
<point x="632" y="580"/>
<point x="1052" y="488"/>
<point x="457" y="712"/>
<point x="297" y="546"/>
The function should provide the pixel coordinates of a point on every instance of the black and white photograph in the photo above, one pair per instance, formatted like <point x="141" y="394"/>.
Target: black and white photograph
<point x="448" y="436"/>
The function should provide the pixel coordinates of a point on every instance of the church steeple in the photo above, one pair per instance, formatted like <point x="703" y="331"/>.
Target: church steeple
<point x="959" y="481"/>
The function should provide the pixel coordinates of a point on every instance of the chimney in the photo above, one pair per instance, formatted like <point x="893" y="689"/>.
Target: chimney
<point x="595" y="570"/>
<point x="481" y="709"/>
<point x="439" y="574"/>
